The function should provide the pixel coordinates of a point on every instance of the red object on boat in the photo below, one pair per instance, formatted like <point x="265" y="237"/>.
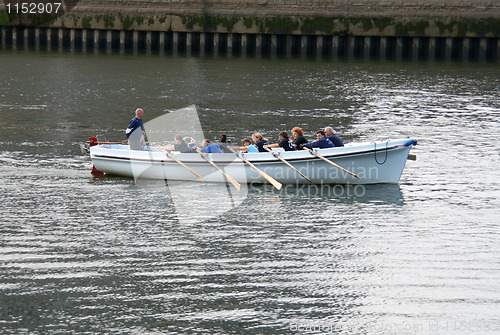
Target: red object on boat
<point x="93" y="141"/>
<point x="95" y="171"/>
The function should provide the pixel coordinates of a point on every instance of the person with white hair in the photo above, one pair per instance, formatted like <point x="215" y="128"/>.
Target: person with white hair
<point x="330" y="134"/>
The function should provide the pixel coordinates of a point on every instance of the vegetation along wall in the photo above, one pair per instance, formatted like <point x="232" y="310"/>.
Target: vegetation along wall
<point x="330" y="26"/>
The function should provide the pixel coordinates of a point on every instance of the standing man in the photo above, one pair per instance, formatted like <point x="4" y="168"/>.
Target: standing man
<point x="333" y="137"/>
<point x="135" y="131"/>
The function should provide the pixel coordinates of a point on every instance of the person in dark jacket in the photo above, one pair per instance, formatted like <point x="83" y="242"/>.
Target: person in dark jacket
<point x="135" y="131"/>
<point x="284" y="142"/>
<point x="322" y="142"/>
<point x="191" y="142"/>
<point x="298" y="138"/>
<point x="330" y="134"/>
<point x="260" y="141"/>
<point x="224" y="143"/>
<point x="179" y="145"/>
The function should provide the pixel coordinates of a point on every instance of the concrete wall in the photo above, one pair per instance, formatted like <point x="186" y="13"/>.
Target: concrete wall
<point x="249" y="45"/>
<point x="385" y="18"/>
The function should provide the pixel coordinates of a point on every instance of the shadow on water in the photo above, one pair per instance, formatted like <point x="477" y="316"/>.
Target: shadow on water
<point x="194" y="203"/>
<point x="376" y="193"/>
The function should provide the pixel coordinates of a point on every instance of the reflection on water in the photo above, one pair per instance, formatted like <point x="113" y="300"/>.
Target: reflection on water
<point x="385" y="193"/>
<point x="107" y="254"/>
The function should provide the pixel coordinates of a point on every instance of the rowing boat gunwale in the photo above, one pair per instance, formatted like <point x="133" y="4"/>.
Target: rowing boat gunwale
<point x="269" y="158"/>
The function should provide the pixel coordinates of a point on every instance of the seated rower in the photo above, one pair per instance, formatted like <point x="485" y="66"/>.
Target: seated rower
<point x="260" y="141"/>
<point x="191" y="142"/>
<point x="333" y="137"/>
<point x="247" y="146"/>
<point x="298" y="138"/>
<point x="322" y="142"/>
<point x="224" y="143"/>
<point x="284" y="142"/>
<point x="179" y="145"/>
<point x="209" y="147"/>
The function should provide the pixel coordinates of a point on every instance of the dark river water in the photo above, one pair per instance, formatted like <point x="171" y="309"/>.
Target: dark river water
<point x="80" y="254"/>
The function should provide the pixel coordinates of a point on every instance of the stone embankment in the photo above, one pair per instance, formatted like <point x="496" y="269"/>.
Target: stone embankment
<point x="458" y="29"/>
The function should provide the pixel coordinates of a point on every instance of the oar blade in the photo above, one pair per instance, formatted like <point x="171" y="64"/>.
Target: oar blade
<point x="270" y="179"/>
<point x="231" y="180"/>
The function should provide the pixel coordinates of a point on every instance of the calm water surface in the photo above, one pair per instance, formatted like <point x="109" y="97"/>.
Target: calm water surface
<point x="82" y="255"/>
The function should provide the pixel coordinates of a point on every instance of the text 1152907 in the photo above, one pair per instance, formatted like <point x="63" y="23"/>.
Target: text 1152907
<point x="34" y="8"/>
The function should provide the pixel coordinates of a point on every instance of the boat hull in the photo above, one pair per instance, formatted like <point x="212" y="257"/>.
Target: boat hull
<point x="376" y="162"/>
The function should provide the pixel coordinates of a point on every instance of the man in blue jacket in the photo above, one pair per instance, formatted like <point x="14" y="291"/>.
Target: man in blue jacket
<point x="322" y="142"/>
<point x="135" y="131"/>
<point x="209" y="147"/>
<point x="336" y="140"/>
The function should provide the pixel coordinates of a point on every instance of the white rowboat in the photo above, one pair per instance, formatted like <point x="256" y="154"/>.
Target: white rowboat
<point x="376" y="162"/>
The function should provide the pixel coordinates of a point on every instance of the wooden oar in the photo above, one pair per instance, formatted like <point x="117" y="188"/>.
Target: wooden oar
<point x="169" y="155"/>
<point x="270" y="179"/>
<point x="231" y="180"/>
<point x="329" y="161"/>
<point x="110" y="142"/>
<point x="290" y="165"/>
<point x="85" y="148"/>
